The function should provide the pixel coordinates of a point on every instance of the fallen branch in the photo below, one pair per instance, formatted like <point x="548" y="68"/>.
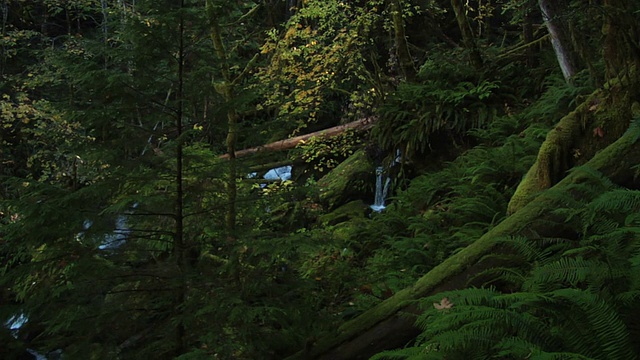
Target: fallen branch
<point x="362" y="124"/>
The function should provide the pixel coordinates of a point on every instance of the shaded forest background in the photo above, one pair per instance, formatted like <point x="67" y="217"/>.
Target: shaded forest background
<point x="130" y="227"/>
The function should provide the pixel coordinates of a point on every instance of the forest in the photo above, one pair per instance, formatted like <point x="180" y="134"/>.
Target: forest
<point x="319" y="179"/>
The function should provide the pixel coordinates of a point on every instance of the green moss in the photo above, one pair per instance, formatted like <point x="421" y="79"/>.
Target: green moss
<point x="601" y="119"/>
<point x="352" y="210"/>
<point x="346" y="231"/>
<point x="345" y="181"/>
<point x="450" y="273"/>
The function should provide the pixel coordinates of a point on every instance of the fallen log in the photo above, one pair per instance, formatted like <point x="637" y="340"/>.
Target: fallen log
<point x="362" y="124"/>
<point x="387" y="325"/>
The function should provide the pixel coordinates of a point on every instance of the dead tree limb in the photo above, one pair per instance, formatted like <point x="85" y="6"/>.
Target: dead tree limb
<point x="362" y="124"/>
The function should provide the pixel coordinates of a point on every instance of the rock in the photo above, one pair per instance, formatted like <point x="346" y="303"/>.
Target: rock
<point x="352" y="210"/>
<point x="350" y="180"/>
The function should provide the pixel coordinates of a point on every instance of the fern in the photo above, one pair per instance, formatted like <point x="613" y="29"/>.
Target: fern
<point x="619" y="200"/>
<point x="597" y="329"/>
<point x="558" y="98"/>
<point x="416" y="111"/>
<point x="563" y="272"/>
<point x="411" y="353"/>
<point x="578" y="298"/>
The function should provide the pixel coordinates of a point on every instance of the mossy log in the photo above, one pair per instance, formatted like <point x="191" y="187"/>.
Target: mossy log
<point x="390" y="324"/>
<point x="591" y="127"/>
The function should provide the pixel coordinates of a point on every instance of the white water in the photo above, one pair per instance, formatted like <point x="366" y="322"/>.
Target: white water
<point x="14" y="324"/>
<point x="283" y="173"/>
<point x="381" y="190"/>
<point x="16" y="321"/>
<point x="280" y="173"/>
<point x="116" y="238"/>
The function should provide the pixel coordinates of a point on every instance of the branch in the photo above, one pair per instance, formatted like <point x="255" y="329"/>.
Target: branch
<point x="362" y="124"/>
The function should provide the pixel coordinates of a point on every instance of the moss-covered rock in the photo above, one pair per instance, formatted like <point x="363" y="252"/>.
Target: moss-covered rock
<point x="297" y="214"/>
<point x="346" y="231"/>
<point x="352" y="210"/>
<point x="347" y="181"/>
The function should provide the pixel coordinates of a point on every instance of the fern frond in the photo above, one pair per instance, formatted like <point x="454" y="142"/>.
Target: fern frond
<point x="559" y="356"/>
<point x="411" y="353"/>
<point x="565" y="271"/>
<point x="597" y="330"/>
<point x="522" y="246"/>
<point x="500" y="274"/>
<point x="619" y="201"/>
<point x="515" y="347"/>
<point x="628" y="297"/>
<point x="590" y="175"/>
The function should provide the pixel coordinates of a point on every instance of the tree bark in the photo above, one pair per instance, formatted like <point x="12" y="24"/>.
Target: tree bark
<point x="407" y="67"/>
<point x="179" y="247"/>
<point x="226" y="89"/>
<point x="593" y="125"/>
<point x="362" y="124"/>
<point x="621" y="47"/>
<point x="527" y="34"/>
<point x="560" y="38"/>
<point x="389" y="324"/>
<point x="467" y="33"/>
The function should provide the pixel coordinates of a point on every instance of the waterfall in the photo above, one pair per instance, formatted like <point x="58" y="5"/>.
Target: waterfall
<point x="381" y="189"/>
<point x="118" y="236"/>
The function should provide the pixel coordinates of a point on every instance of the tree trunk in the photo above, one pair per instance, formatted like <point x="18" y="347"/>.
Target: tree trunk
<point x="621" y="47"/>
<point x="407" y="67"/>
<point x="388" y="325"/>
<point x="286" y="144"/>
<point x="467" y="33"/>
<point x="560" y="38"/>
<point x="527" y="34"/>
<point x="226" y="89"/>
<point x="179" y="247"/>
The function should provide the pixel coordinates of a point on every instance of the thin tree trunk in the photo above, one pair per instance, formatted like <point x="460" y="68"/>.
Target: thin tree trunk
<point x="405" y="61"/>
<point x="559" y="39"/>
<point x="527" y="32"/>
<point x="179" y="247"/>
<point x="105" y="19"/>
<point x="467" y="33"/>
<point x="226" y="89"/>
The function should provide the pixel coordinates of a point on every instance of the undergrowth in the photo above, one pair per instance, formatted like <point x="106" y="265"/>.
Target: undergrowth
<point x="437" y="214"/>
<point x="445" y="210"/>
<point x="578" y="300"/>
